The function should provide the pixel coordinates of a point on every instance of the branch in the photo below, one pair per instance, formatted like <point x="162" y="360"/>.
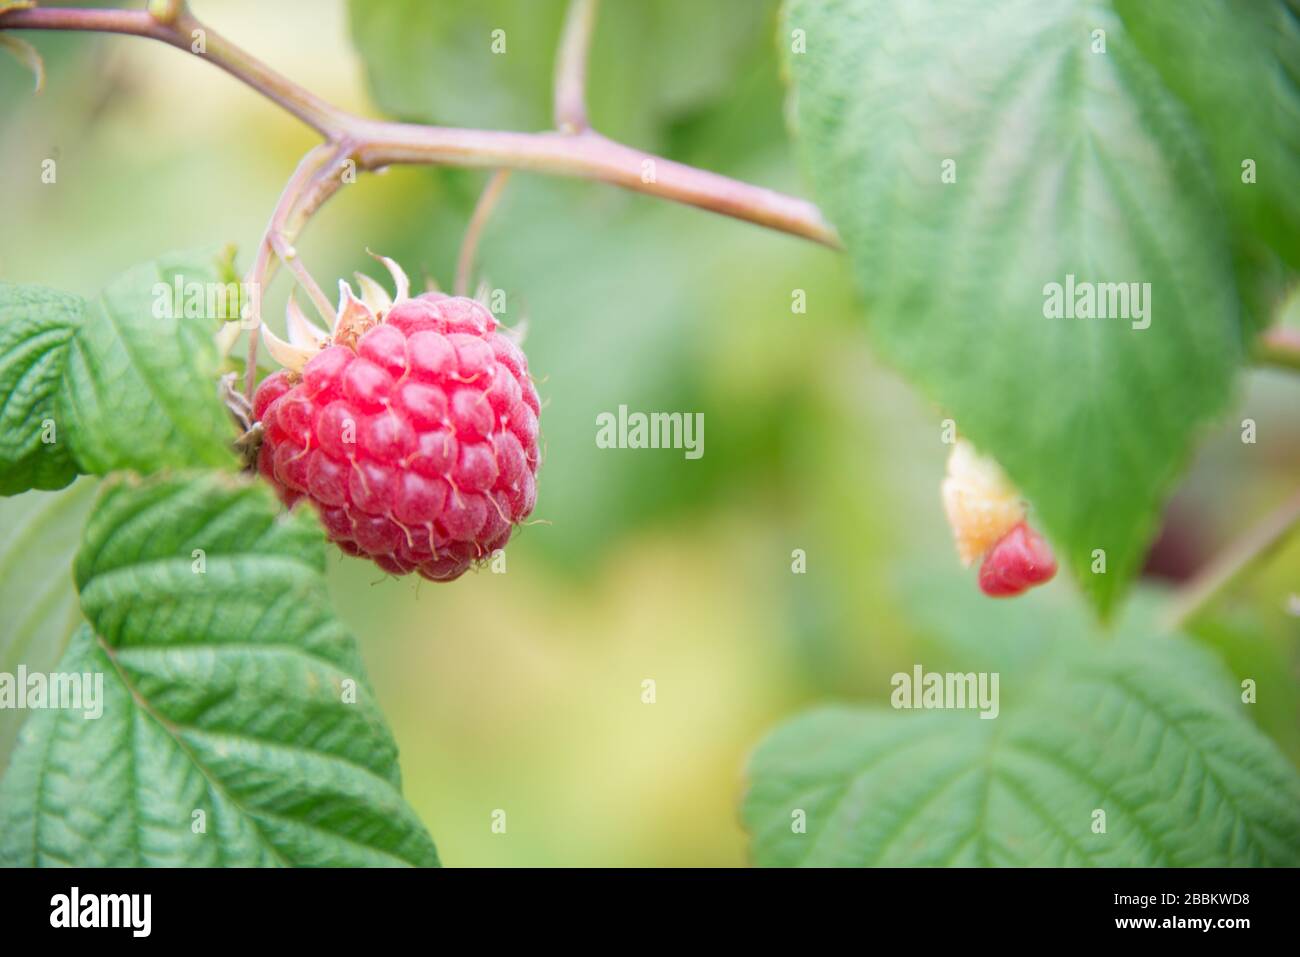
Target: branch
<point x="1234" y="561"/>
<point x="317" y="178"/>
<point x="477" y="221"/>
<point x="180" y="29"/>
<point x="590" y="156"/>
<point x="571" y="67"/>
<point x="1279" y="346"/>
<point x="585" y="155"/>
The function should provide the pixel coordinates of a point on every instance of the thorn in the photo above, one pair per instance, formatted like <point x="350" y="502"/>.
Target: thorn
<point x="165" y="12"/>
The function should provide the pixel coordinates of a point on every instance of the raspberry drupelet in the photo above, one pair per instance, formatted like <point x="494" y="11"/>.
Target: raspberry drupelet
<point x="1018" y="562"/>
<point x="413" y="430"/>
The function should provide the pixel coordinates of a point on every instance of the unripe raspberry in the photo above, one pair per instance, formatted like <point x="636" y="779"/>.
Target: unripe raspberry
<point x="414" y="433"/>
<point x="988" y="520"/>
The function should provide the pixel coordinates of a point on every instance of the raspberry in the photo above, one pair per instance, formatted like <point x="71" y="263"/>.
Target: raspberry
<point x="988" y="519"/>
<point x="1017" y="563"/>
<point x="414" y="433"/>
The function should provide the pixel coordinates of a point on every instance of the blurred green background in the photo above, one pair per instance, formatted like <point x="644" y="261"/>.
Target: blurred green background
<point x="523" y="691"/>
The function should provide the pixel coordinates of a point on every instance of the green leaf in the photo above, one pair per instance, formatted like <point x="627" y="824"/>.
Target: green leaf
<point x="1068" y="163"/>
<point x="140" y="383"/>
<point x="126" y="381"/>
<point x="36" y="326"/>
<point x="649" y="63"/>
<point x="1236" y="65"/>
<point x="41" y="533"/>
<point x="1149" y="731"/>
<point x="227" y="690"/>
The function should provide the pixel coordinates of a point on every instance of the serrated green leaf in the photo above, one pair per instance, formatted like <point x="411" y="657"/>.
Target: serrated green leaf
<point x="38" y="603"/>
<point x="36" y="326"/>
<point x="140" y="381"/>
<point x="1236" y="65"/>
<point x="1150" y="732"/>
<point x="226" y="691"/>
<point x="1068" y="163"/>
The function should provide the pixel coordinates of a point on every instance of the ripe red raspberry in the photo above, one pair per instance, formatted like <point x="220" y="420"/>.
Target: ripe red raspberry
<point x="414" y="433"/>
<point x="1017" y="563"/>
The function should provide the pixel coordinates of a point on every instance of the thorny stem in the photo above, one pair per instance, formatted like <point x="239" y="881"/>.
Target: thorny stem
<point x="474" y="231"/>
<point x="1195" y="596"/>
